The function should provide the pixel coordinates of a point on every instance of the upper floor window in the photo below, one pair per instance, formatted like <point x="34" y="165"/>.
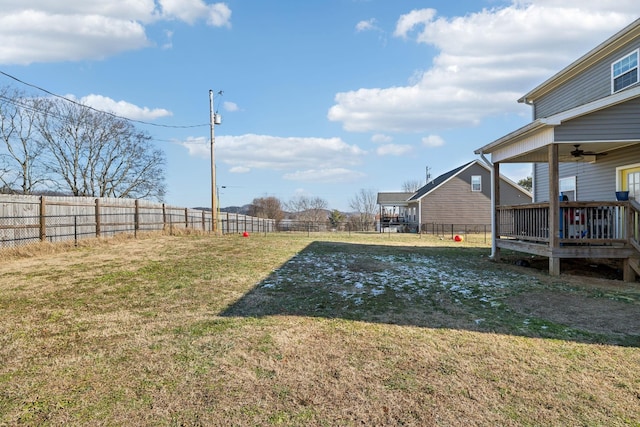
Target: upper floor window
<point x="624" y="72"/>
<point x="476" y="183"/>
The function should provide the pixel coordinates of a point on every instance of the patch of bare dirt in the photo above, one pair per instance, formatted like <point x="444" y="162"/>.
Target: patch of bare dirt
<point x="599" y="269"/>
<point x="597" y="315"/>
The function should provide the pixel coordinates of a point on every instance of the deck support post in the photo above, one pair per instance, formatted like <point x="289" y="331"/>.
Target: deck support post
<point x="554" y="210"/>
<point x="495" y="177"/>
<point x="628" y="273"/>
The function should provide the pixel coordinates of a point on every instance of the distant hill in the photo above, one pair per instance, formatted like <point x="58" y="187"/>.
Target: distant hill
<point x="243" y="210"/>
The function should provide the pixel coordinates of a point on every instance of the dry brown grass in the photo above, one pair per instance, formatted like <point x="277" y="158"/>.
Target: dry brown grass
<point x="180" y="330"/>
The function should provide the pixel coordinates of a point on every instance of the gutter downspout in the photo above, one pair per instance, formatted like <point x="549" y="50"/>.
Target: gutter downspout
<point x="493" y="205"/>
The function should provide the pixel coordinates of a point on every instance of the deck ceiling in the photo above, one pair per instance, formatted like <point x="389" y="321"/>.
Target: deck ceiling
<point x="540" y="154"/>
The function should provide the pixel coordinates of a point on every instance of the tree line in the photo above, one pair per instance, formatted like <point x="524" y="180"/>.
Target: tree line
<point x="315" y="210"/>
<point x="54" y="145"/>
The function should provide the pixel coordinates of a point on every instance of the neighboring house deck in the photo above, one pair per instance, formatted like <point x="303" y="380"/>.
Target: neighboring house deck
<point x="584" y="144"/>
<point x="393" y="210"/>
<point x="461" y="196"/>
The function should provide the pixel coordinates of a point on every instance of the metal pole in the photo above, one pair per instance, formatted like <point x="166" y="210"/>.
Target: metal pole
<point x="214" y="207"/>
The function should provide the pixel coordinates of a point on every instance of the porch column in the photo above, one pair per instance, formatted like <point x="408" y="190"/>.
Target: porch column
<point x="495" y="182"/>
<point x="554" y="211"/>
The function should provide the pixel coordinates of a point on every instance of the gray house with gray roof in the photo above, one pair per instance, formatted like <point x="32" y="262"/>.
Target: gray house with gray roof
<point x="461" y="196"/>
<point x="584" y="144"/>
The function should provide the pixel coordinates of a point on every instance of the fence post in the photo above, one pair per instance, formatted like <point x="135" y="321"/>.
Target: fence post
<point x="203" y="222"/>
<point x="136" y="218"/>
<point x="43" y="219"/>
<point x="186" y="218"/>
<point x="164" y="217"/>
<point x="98" y="217"/>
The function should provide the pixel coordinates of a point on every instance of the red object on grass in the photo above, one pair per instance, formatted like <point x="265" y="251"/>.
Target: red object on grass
<point x="458" y="238"/>
<point x="245" y="234"/>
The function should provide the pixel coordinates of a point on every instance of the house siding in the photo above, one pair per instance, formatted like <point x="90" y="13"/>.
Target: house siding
<point x="595" y="181"/>
<point x="619" y="122"/>
<point x="591" y="85"/>
<point x="455" y="203"/>
<point x="540" y="176"/>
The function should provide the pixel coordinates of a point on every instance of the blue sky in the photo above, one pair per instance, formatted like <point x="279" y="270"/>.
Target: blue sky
<point x="321" y="98"/>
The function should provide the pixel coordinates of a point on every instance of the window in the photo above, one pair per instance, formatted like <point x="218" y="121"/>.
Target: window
<point x="476" y="183"/>
<point x="624" y="72"/>
<point x="633" y="184"/>
<point x="567" y="187"/>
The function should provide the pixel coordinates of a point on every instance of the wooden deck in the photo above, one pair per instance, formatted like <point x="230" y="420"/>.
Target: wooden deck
<point x="584" y="230"/>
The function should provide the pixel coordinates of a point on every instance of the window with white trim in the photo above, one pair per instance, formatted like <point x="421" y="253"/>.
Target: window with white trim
<point x="476" y="183"/>
<point x="624" y="72"/>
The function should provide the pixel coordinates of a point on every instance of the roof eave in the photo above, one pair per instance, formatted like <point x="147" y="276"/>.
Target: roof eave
<point x="511" y="137"/>
<point x="559" y="118"/>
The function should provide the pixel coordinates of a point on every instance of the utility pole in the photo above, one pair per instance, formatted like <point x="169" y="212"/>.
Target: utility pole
<point x="214" y="119"/>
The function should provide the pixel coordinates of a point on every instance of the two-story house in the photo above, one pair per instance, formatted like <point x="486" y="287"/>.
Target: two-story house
<point x="584" y="144"/>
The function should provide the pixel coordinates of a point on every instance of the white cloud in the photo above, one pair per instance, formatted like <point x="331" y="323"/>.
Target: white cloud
<point x="239" y="169"/>
<point x="367" y="25"/>
<point x="72" y="30"/>
<point x="407" y="22"/>
<point x="330" y="175"/>
<point x="217" y="14"/>
<point x="433" y="141"/>
<point x="197" y="146"/>
<point x="486" y="61"/>
<point x="281" y="153"/>
<point x="123" y="108"/>
<point x="169" y="43"/>
<point x="325" y="159"/>
<point x="29" y="35"/>
<point x="381" y="138"/>
<point x="230" y="106"/>
<point x="393" y="150"/>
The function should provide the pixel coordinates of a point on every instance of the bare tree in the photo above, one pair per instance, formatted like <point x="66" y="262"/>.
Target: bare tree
<point x="267" y="207"/>
<point x="297" y="205"/>
<point x="364" y="204"/>
<point x="317" y="211"/>
<point x="411" y="185"/>
<point x="21" y="167"/>
<point x="308" y="209"/>
<point x="100" y="155"/>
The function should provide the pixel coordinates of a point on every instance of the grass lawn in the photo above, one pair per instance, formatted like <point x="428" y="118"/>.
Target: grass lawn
<point x="320" y="330"/>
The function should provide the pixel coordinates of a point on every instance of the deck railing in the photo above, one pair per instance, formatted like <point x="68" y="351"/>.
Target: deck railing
<point x="594" y="223"/>
<point x="633" y="224"/>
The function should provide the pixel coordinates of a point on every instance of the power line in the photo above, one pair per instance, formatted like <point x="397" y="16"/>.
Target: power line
<point x="97" y="110"/>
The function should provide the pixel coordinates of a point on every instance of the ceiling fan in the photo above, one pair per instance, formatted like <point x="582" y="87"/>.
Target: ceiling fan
<point x="578" y="153"/>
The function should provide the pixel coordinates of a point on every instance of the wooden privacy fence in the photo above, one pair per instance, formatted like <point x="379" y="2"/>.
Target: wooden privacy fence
<point x="30" y="219"/>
